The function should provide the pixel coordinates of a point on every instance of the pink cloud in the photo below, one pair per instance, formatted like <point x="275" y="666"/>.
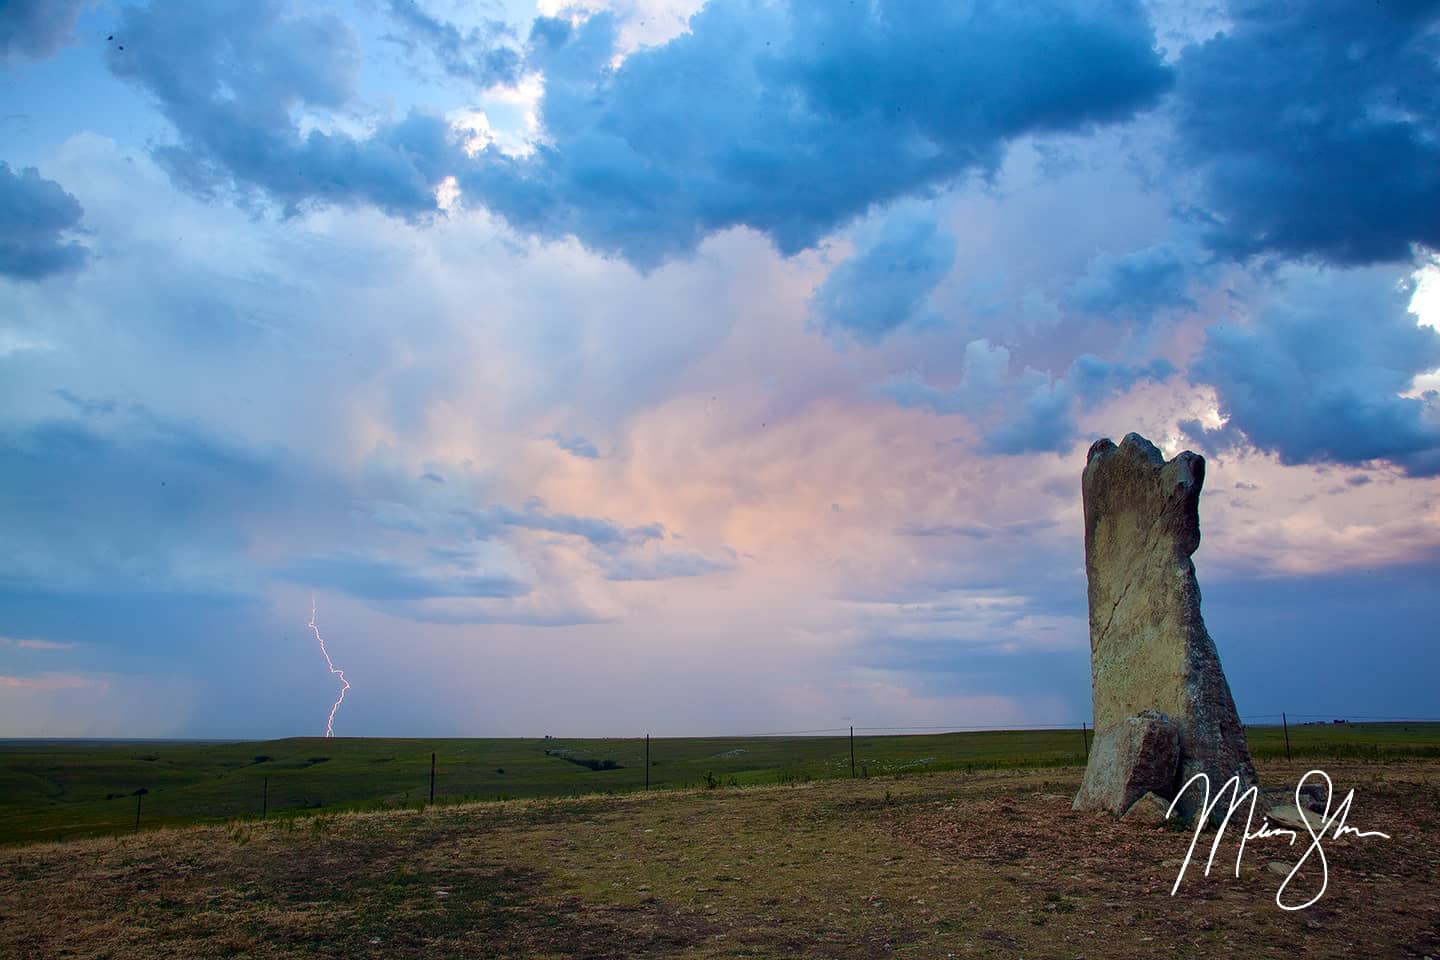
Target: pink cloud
<point x="14" y="643"/>
<point x="50" y="681"/>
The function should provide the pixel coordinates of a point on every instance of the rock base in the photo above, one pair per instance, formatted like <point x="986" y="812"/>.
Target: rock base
<point x="1139" y="755"/>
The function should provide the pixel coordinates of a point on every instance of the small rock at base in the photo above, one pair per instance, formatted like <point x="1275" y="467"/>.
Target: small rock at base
<point x="1294" y="819"/>
<point x="1148" y="810"/>
<point x="1281" y="868"/>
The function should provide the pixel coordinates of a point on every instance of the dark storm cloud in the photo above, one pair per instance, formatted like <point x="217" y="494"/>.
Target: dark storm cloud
<point x="793" y="118"/>
<point x="1315" y="377"/>
<point x="1135" y="286"/>
<point x="1313" y="623"/>
<point x="113" y="500"/>
<point x="36" y="28"/>
<point x="132" y="626"/>
<point x="953" y="666"/>
<point x="125" y="530"/>
<point x="35" y="216"/>
<point x="477" y="55"/>
<point x="228" y="77"/>
<point x="885" y="284"/>
<point x="789" y="118"/>
<point x="1316" y="127"/>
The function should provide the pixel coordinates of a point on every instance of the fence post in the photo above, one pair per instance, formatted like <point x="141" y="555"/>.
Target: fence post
<point x="852" y="751"/>
<point x="647" y="761"/>
<point x="432" y="779"/>
<point x="265" y="799"/>
<point x="1085" y="738"/>
<point x="1286" y="724"/>
<point x="139" y="796"/>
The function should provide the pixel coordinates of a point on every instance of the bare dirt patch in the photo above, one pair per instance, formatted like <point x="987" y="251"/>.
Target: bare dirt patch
<point x="943" y="865"/>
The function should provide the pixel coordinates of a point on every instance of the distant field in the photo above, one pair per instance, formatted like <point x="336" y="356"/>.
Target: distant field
<point x="54" y="790"/>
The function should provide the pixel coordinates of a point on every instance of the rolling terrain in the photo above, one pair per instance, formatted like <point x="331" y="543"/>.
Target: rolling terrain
<point x="57" y="790"/>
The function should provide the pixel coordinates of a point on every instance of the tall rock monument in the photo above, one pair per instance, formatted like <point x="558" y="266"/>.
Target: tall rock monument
<point x="1163" y="710"/>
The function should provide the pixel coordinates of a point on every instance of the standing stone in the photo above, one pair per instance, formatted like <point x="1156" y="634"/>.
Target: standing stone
<point x="1149" y="649"/>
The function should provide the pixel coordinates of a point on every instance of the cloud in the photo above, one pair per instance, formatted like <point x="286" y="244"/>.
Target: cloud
<point x="34" y="29"/>
<point x="141" y="500"/>
<point x="1316" y="129"/>
<point x="577" y="445"/>
<point x="1313" y="621"/>
<point x="32" y="643"/>
<point x="35" y="215"/>
<point x="50" y="681"/>
<point x="476" y="55"/>
<point x="1135" y="286"/>
<point x="983" y="377"/>
<point x="1317" y="375"/>
<point x="1029" y="412"/>
<point x="793" y="118"/>
<point x="664" y="564"/>
<point x="884" y="285"/>
<point x="1015" y="530"/>
<point x="88" y="704"/>
<point x="1094" y="381"/>
<point x="486" y="522"/>
<point x="379" y="579"/>
<point x="751" y="118"/>
<point x="231" y="79"/>
<point x="129" y="516"/>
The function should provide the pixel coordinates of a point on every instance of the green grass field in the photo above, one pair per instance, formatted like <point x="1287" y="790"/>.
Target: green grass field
<point x="53" y="790"/>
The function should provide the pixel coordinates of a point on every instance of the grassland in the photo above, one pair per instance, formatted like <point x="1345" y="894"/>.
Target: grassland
<point x="57" y="790"/>
<point x="980" y="864"/>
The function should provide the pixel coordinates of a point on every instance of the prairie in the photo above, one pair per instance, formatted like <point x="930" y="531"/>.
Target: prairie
<point x="58" y="790"/>
<point x="986" y="863"/>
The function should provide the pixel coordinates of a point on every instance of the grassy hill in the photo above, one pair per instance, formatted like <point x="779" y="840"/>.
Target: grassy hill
<point x="52" y="790"/>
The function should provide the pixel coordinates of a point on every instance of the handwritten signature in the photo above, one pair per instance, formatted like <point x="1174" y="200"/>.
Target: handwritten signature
<point x="1333" y="823"/>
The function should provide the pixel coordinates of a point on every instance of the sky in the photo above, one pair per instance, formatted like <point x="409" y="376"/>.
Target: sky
<point x="659" y="366"/>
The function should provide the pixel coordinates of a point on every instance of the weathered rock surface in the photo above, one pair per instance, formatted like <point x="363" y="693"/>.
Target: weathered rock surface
<point x="1136" y="756"/>
<point x="1149" y="649"/>
<point x="1149" y="810"/>
<point x="1301" y="821"/>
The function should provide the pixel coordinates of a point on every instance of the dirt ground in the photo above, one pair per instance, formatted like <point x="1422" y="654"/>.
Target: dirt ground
<point x="942" y="865"/>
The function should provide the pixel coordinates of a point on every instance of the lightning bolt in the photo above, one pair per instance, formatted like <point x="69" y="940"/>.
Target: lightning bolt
<point x="329" y="723"/>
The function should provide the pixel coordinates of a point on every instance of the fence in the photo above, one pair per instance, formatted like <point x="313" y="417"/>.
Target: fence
<point x="159" y="783"/>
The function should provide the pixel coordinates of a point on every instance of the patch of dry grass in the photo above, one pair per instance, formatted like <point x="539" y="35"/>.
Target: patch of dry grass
<point x="962" y="865"/>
